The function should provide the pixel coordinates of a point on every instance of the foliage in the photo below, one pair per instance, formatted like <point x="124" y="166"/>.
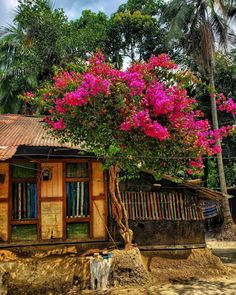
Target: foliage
<point x="197" y="27"/>
<point x="30" y="48"/>
<point x="213" y="178"/>
<point x="147" y="7"/>
<point x="15" y="70"/>
<point x="40" y="38"/>
<point x="135" y="32"/>
<point x="89" y="33"/>
<point x="142" y="117"/>
<point x="225" y="72"/>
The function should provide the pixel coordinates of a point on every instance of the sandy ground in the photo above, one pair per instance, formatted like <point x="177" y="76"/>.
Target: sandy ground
<point x="186" y="272"/>
<point x="207" y="284"/>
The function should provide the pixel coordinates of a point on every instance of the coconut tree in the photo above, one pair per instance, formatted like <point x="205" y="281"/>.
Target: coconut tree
<point x="37" y="40"/>
<point x="201" y="26"/>
<point x="16" y="71"/>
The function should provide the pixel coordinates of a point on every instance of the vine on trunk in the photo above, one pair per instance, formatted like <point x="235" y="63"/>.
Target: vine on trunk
<point x="119" y="212"/>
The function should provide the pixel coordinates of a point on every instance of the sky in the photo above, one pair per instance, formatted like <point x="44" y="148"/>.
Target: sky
<point x="72" y="8"/>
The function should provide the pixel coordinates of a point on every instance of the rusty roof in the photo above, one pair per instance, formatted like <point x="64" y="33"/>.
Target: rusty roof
<point x="18" y="130"/>
<point x="203" y="191"/>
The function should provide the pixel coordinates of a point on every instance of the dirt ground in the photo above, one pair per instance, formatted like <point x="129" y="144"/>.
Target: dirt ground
<point x="192" y="278"/>
<point x="174" y="272"/>
<point x="195" y="273"/>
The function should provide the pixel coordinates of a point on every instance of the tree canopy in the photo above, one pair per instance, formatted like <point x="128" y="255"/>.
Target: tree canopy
<point x="139" y="118"/>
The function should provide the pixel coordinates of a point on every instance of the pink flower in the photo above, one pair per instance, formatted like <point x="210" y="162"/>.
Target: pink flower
<point x="60" y="106"/>
<point x="126" y="126"/>
<point x="161" y="60"/>
<point x="216" y="149"/>
<point x="58" y="125"/>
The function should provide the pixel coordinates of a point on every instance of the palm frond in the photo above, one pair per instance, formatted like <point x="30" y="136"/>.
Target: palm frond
<point x="220" y="28"/>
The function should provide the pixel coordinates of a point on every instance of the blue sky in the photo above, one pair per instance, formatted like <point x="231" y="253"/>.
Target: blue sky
<point x="72" y="8"/>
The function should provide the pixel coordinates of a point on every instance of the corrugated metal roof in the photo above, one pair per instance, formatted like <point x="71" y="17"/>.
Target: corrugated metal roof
<point x="17" y="130"/>
<point x="203" y="191"/>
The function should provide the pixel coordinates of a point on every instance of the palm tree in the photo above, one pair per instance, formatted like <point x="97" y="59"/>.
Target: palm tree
<point x="15" y="75"/>
<point x="202" y="25"/>
<point x="29" y="49"/>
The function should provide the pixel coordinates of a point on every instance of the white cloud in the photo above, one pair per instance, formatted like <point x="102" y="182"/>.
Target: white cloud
<point x="73" y="8"/>
<point x="7" y="11"/>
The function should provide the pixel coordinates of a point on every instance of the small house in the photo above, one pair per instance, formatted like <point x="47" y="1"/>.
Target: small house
<point x="169" y="212"/>
<point x="53" y="192"/>
<point x="48" y="191"/>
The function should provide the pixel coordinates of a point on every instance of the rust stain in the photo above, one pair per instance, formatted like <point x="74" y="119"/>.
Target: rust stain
<point x="17" y="130"/>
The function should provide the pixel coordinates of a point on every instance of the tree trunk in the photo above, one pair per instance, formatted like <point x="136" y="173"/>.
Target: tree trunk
<point x="119" y="212"/>
<point x="228" y="221"/>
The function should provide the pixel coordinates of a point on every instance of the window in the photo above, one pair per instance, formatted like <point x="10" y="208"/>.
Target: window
<point x="77" y="201"/>
<point x="77" y="190"/>
<point x="24" y="192"/>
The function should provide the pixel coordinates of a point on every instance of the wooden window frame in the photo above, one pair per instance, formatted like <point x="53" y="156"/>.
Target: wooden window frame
<point x="11" y="221"/>
<point x="69" y="220"/>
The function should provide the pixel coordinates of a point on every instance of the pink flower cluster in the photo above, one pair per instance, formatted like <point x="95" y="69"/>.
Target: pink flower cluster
<point x="227" y="105"/>
<point x="57" y="125"/>
<point x="150" y="128"/>
<point x="162" y="61"/>
<point x="90" y="87"/>
<point x="143" y="102"/>
<point x="63" y="79"/>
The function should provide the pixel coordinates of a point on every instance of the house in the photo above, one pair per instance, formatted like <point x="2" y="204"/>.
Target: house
<point x="169" y="212"/>
<point x="48" y="191"/>
<point x="55" y="192"/>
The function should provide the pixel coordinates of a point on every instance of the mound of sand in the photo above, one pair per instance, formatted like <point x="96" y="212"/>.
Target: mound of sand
<point x="127" y="268"/>
<point x="183" y="265"/>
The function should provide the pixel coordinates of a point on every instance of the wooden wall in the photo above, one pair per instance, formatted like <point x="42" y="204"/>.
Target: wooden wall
<point x="54" y="187"/>
<point x="99" y="201"/>
<point x="51" y="220"/>
<point x="52" y="202"/>
<point x="4" y="192"/>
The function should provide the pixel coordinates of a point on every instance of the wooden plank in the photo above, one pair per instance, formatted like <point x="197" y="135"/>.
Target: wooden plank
<point x="162" y="206"/>
<point x="53" y="187"/>
<point x="157" y="201"/>
<point x="90" y="198"/>
<point x="52" y="199"/>
<point x="182" y="206"/>
<point x="4" y="222"/>
<point x="139" y="207"/>
<point x="133" y="205"/>
<point x="178" y="205"/>
<point x="130" y="207"/>
<point x="149" y="207"/>
<point x="4" y="187"/>
<point x="153" y="204"/>
<point x="78" y="219"/>
<point x="99" y="219"/>
<point x="5" y="200"/>
<point x="136" y="205"/>
<point x="98" y="179"/>
<point x="171" y="247"/>
<point x="76" y="179"/>
<point x="35" y="221"/>
<point x="172" y="206"/>
<point x="51" y="219"/>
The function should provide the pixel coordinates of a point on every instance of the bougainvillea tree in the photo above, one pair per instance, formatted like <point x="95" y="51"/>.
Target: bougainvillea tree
<point x="139" y="119"/>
